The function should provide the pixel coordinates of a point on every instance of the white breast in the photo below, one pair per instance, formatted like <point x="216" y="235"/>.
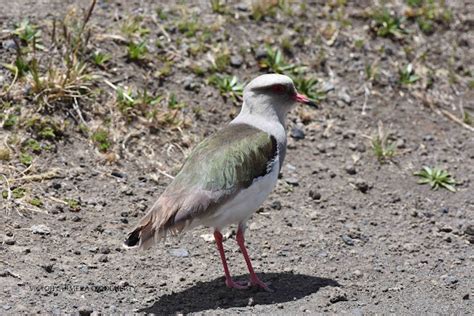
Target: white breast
<point x="245" y="203"/>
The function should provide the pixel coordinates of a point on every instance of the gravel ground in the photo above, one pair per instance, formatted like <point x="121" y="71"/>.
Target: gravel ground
<point x="341" y="233"/>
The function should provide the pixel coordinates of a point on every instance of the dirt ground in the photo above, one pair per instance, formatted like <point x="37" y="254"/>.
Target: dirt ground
<point x="342" y="232"/>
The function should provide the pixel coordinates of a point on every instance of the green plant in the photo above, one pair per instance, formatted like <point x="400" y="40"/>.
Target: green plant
<point x="188" y="26"/>
<point x="26" y="159"/>
<point x="436" y="178"/>
<point x="101" y="138"/>
<point x="382" y="150"/>
<point x="407" y="75"/>
<point x="10" y="121"/>
<point x="100" y="58"/>
<point x="228" y="86"/>
<point x="36" y="202"/>
<point x="73" y="204"/>
<point x="387" y="25"/>
<point x="28" y="34"/>
<point x="137" y="51"/>
<point x="262" y="8"/>
<point x="218" y="6"/>
<point x="18" y="192"/>
<point x="308" y="87"/>
<point x="133" y="26"/>
<point x="274" y="61"/>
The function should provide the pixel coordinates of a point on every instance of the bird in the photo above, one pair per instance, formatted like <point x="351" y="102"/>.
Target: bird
<point x="228" y="175"/>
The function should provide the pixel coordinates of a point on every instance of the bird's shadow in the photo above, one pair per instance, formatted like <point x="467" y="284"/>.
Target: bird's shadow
<point x="214" y="294"/>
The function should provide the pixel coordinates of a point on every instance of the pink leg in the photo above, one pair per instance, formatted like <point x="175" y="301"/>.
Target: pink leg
<point x="228" y="279"/>
<point x="254" y="280"/>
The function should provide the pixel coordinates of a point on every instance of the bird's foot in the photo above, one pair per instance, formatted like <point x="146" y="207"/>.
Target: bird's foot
<point x="265" y="286"/>
<point x="239" y="285"/>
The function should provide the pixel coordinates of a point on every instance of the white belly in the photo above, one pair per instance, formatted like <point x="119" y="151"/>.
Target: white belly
<point x="245" y="203"/>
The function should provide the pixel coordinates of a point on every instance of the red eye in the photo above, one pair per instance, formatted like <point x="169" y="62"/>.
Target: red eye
<point x="278" y="88"/>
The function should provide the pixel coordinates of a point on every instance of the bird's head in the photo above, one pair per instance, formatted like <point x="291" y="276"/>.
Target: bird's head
<point x="273" y="93"/>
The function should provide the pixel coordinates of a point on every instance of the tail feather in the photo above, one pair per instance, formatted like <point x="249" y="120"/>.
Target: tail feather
<point x="154" y="226"/>
<point x="144" y="235"/>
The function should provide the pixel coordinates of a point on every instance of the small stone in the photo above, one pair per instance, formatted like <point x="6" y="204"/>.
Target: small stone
<point x="85" y="311"/>
<point x="444" y="210"/>
<point x="327" y="86"/>
<point x="189" y="83"/>
<point x="10" y="241"/>
<point x="179" y="252"/>
<point x="76" y="219"/>
<point x="428" y="138"/>
<point x="8" y="44"/>
<point x="48" y="268"/>
<point x="466" y="296"/>
<point x="315" y="195"/>
<point x="94" y="249"/>
<point x="260" y="53"/>
<point x="104" y="250"/>
<point x="321" y="148"/>
<point x="236" y="61"/>
<point x="292" y="181"/>
<point x="6" y="307"/>
<point x="469" y="230"/>
<point x="118" y="174"/>
<point x="445" y="229"/>
<point x="400" y="143"/>
<point x="362" y="185"/>
<point x="449" y="279"/>
<point x="350" y="169"/>
<point x="337" y="295"/>
<point x="40" y="229"/>
<point x="123" y="284"/>
<point x="297" y="133"/>
<point x="344" y="96"/>
<point x="348" y="240"/>
<point x="276" y="205"/>
<point x="208" y="237"/>
<point x="103" y="258"/>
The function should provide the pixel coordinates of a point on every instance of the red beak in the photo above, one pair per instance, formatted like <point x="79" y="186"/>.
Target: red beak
<point x="300" y="98"/>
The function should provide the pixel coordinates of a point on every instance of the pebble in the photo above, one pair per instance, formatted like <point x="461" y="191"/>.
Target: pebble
<point x="189" y="83"/>
<point x="321" y="148"/>
<point x="85" y="311"/>
<point x="76" y="219"/>
<point x="10" y="241"/>
<point x="315" y="195"/>
<point x="469" y="230"/>
<point x="8" y="44"/>
<point x="40" y="229"/>
<point x="350" y="169"/>
<point x="344" y="96"/>
<point x="327" y="86"/>
<point x="6" y="307"/>
<point x="292" y="181"/>
<point x="118" y="174"/>
<point x="104" y="250"/>
<point x="337" y="295"/>
<point x="276" y="205"/>
<point x="362" y="185"/>
<point x="445" y="229"/>
<point x="236" y="61"/>
<point x="297" y="133"/>
<point x="449" y="279"/>
<point x="103" y="258"/>
<point x="260" y="53"/>
<point x="348" y="240"/>
<point x="179" y="252"/>
<point x="208" y="237"/>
